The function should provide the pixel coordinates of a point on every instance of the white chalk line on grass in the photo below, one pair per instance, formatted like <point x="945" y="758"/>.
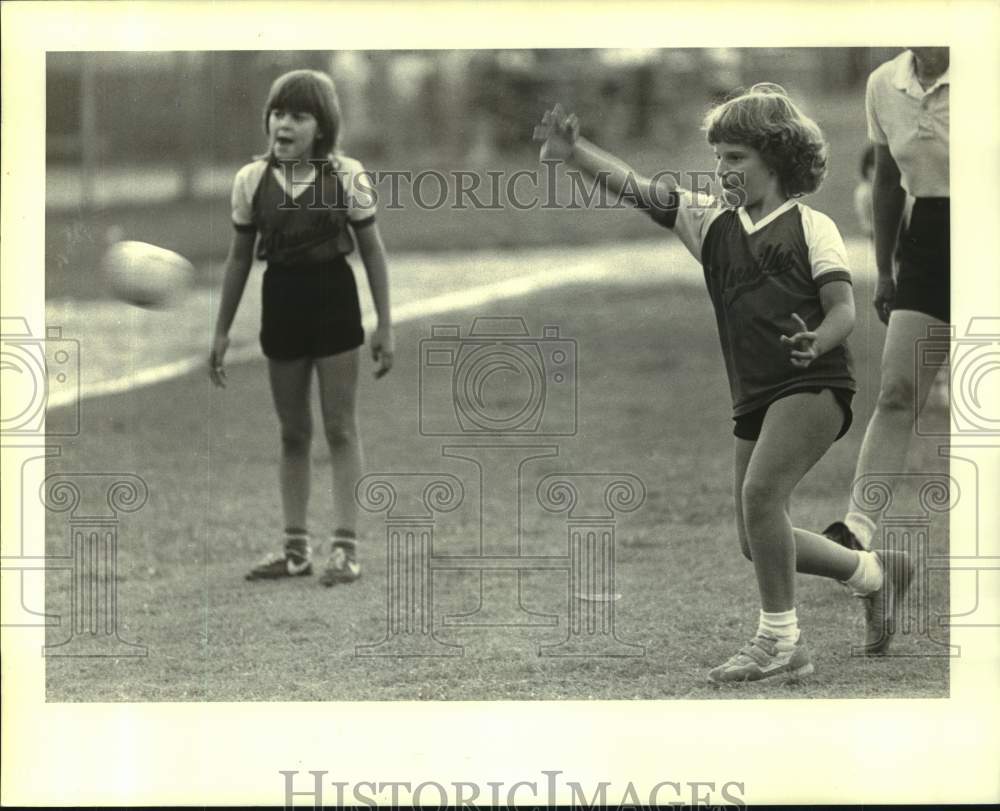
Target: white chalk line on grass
<point x="516" y="287"/>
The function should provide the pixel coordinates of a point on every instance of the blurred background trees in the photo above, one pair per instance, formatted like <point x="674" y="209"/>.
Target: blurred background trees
<point x="184" y="114"/>
<point x="144" y="145"/>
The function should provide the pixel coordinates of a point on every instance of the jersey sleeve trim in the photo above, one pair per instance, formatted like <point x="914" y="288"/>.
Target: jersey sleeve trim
<point x="358" y="225"/>
<point x="834" y="275"/>
<point x="665" y="215"/>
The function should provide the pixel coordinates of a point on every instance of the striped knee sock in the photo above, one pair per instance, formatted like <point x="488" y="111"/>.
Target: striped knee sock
<point x="297" y="543"/>
<point x="346" y="538"/>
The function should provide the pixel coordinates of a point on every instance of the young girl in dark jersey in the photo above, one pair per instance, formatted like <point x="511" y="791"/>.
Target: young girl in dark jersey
<point x="304" y="205"/>
<point x="777" y="275"/>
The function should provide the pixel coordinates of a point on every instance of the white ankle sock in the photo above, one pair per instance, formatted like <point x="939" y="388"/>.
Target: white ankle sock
<point x="781" y="625"/>
<point x="862" y="527"/>
<point x="867" y="576"/>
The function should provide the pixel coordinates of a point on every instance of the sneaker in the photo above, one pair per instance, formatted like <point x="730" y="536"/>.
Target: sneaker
<point x="761" y="659"/>
<point x="289" y="563"/>
<point x="342" y="567"/>
<point x="882" y="605"/>
<point x="839" y="532"/>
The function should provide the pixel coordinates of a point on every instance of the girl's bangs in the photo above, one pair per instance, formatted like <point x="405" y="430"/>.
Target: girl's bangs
<point x="733" y="123"/>
<point x="298" y="95"/>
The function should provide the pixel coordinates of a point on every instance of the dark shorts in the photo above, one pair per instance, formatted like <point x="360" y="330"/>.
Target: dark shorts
<point x="748" y="425"/>
<point x="924" y="280"/>
<point x="310" y="312"/>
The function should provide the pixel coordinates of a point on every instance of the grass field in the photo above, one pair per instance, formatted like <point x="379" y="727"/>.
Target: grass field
<point x="653" y="402"/>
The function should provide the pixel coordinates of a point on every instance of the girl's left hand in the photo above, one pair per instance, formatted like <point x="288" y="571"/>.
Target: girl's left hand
<point x="557" y="133"/>
<point x="216" y="360"/>
<point x="383" y="349"/>
<point x="803" y="342"/>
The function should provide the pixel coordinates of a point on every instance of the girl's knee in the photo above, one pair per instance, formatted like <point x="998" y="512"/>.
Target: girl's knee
<point x="340" y="433"/>
<point x="759" y="496"/>
<point x="896" y="395"/>
<point x="296" y="437"/>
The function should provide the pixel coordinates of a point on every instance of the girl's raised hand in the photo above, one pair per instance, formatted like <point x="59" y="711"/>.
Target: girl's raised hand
<point x="383" y="350"/>
<point x="216" y="360"/>
<point x="557" y="133"/>
<point x="804" y="349"/>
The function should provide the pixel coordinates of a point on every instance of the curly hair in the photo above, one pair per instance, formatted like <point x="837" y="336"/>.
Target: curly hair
<point x="313" y="92"/>
<point x="790" y="143"/>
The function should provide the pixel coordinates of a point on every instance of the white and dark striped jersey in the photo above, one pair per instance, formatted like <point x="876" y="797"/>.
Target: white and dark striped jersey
<point x="303" y="223"/>
<point x="758" y="274"/>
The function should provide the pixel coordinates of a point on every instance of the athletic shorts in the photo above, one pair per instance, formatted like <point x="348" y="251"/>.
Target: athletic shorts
<point x="924" y="280"/>
<point x="310" y="312"/>
<point x="747" y="426"/>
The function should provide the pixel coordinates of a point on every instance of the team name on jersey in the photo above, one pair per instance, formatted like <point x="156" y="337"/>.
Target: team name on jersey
<point x="775" y="260"/>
